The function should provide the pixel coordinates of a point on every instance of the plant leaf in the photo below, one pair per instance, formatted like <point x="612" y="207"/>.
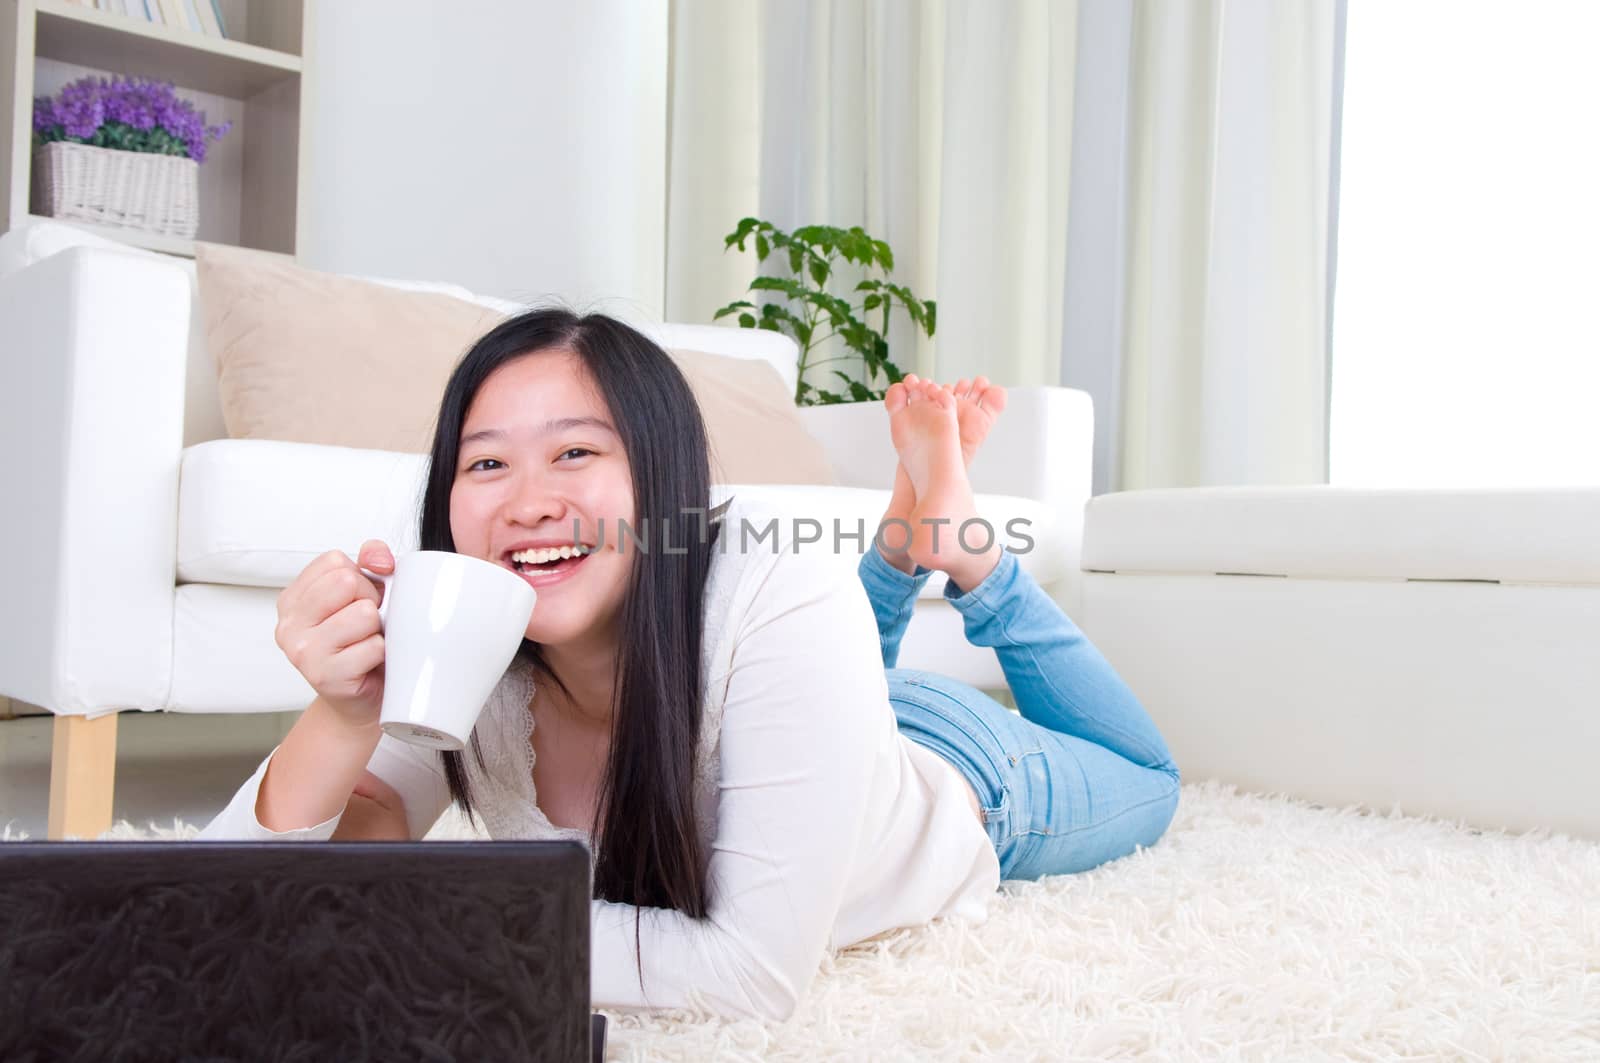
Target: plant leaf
<point x="792" y="288"/>
<point x="731" y="307"/>
<point x="739" y="233"/>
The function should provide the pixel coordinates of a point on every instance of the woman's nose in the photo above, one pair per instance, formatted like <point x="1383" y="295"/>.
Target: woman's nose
<point x="533" y="504"/>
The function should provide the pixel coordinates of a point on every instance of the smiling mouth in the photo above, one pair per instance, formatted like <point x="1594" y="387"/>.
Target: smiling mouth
<point x="549" y="560"/>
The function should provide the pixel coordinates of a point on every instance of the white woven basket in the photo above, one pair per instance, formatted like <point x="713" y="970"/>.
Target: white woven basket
<point x="139" y="190"/>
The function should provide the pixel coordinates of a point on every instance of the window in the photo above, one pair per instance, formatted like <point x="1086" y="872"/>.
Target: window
<point x="1466" y="338"/>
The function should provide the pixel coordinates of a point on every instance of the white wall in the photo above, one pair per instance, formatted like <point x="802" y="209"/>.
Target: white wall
<point x="517" y="147"/>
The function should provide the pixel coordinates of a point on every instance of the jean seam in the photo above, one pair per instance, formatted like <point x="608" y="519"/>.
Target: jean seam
<point x="1113" y="819"/>
<point x="973" y="596"/>
<point x="995" y="768"/>
<point x="903" y="614"/>
<point x="1005" y="631"/>
<point x="892" y="591"/>
<point x="960" y="726"/>
<point x="902" y="582"/>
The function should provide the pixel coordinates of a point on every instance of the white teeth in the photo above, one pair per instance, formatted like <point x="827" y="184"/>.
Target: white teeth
<point x="548" y="554"/>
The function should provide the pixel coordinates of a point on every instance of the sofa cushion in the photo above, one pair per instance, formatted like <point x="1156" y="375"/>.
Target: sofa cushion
<point x="1509" y="535"/>
<point x="752" y="421"/>
<point x="312" y="357"/>
<point x="38" y="238"/>
<point x="254" y="513"/>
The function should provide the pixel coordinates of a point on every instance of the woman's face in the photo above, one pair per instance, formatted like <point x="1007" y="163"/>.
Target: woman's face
<point x="542" y="466"/>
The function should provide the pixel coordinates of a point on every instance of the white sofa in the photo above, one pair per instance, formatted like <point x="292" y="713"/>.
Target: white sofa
<point x="143" y="551"/>
<point x="1432" y="650"/>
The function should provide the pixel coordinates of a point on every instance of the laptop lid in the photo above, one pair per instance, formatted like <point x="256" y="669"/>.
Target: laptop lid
<point x="294" y="951"/>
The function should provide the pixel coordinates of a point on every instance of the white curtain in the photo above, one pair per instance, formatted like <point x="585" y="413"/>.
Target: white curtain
<point x="1224" y="375"/>
<point x="942" y="127"/>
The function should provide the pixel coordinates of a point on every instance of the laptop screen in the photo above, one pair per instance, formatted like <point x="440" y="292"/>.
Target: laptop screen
<point x="289" y="951"/>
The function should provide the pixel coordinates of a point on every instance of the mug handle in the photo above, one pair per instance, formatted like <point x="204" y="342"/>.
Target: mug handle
<point x="383" y="601"/>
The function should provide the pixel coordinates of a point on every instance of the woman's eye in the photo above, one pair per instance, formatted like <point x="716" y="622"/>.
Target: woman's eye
<point x="576" y="450"/>
<point x="480" y="462"/>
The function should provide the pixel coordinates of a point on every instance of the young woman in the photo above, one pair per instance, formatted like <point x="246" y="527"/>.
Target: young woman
<point x="721" y="722"/>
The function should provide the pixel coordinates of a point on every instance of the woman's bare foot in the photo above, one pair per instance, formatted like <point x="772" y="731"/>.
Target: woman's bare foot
<point x="978" y="405"/>
<point x="927" y="435"/>
<point x="894" y="529"/>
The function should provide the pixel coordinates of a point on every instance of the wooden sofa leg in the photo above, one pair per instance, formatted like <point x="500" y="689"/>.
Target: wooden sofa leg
<point x="83" y="765"/>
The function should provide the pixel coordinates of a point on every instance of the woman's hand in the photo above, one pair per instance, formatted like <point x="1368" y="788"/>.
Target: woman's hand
<point x="328" y="628"/>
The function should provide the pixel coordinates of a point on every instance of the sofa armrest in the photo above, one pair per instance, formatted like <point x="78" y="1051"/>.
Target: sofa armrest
<point x="855" y="438"/>
<point x="91" y="433"/>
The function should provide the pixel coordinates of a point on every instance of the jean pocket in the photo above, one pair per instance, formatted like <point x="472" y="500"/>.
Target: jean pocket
<point x="956" y="731"/>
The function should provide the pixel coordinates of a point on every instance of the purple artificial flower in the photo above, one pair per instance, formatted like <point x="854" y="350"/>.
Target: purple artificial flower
<point x="130" y="114"/>
<point x="44" y="114"/>
<point x="81" y="107"/>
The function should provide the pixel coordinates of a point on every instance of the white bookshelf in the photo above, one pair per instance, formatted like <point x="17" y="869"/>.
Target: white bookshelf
<point x="250" y="182"/>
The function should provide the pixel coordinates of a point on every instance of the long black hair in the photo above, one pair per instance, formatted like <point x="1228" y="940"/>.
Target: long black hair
<point x="649" y="852"/>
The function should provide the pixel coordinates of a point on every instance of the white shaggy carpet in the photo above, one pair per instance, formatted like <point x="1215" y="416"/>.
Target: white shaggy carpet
<point x="1257" y="928"/>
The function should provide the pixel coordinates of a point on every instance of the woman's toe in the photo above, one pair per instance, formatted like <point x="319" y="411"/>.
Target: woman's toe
<point x="894" y="400"/>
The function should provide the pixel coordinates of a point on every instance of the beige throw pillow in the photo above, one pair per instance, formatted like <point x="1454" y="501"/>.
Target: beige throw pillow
<point x="755" y="429"/>
<point x="314" y="357"/>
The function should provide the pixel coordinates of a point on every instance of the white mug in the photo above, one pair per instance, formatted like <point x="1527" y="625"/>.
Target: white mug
<point x="451" y="625"/>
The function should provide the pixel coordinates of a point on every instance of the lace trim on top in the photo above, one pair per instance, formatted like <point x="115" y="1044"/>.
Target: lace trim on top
<point x="504" y="794"/>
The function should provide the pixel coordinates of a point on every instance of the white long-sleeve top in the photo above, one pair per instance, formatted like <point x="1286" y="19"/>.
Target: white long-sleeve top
<point x="825" y="825"/>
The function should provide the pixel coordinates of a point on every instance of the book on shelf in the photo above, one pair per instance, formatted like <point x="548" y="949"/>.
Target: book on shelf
<point x="172" y="14"/>
<point x="208" y="18"/>
<point x="197" y="16"/>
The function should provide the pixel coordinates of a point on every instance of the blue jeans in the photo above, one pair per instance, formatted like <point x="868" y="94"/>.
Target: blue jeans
<point x="1079" y="774"/>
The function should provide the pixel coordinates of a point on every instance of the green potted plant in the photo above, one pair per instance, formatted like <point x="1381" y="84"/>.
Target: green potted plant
<point x="807" y="312"/>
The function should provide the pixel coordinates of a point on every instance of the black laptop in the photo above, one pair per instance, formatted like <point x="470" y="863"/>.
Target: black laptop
<point x="292" y="951"/>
